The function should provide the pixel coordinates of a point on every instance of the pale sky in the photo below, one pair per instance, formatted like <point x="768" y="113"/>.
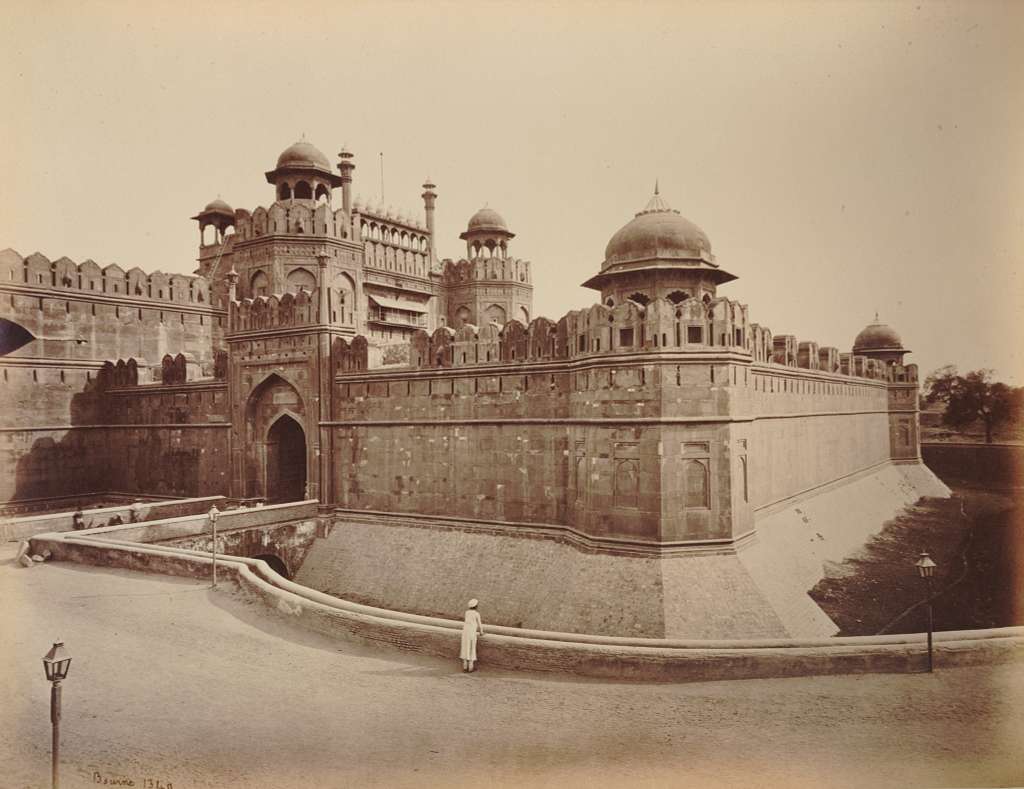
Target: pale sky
<point x="842" y="157"/>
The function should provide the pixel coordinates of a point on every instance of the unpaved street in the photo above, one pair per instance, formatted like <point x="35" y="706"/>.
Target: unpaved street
<point x="174" y="685"/>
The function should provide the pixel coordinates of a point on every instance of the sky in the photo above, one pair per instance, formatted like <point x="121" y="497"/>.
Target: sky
<point x="844" y="158"/>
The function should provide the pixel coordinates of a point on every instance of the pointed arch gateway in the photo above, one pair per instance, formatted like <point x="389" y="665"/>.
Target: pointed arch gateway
<point x="286" y="461"/>
<point x="275" y="445"/>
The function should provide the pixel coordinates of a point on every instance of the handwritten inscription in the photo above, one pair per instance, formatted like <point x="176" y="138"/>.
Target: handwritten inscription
<point x="124" y="780"/>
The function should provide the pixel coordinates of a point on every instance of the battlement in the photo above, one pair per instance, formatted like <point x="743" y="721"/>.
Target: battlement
<point x="40" y="273"/>
<point x="172" y="370"/>
<point x="478" y="269"/>
<point x="689" y="325"/>
<point x="292" y="217"/>
<point x="275" y="311"/>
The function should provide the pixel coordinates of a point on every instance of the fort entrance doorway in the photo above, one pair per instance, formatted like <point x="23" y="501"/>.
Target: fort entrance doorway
<point x="275" y="453"/>
<point x="286" y="461"/>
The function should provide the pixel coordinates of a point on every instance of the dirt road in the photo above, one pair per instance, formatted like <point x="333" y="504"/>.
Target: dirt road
<point x="175" y="686"/>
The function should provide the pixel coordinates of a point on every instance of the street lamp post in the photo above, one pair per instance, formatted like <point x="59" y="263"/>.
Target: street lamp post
<point x="214" y="514"/>
<point x="926" y="569"/>
<point x="56" y="663"/>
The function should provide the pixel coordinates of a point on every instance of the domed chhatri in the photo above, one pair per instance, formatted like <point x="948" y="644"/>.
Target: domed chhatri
<point x="216" y="214"/>
<point x="660" y="250"/>
<point x="658" y="232"/>
<point x="487" y="234"/>
<point x="487" y="219"/>
<point x="303" y="154"/>
<point x="877" y="336"/>
<point x="880" y="341"/>
<point x="218" y="206"/>
<point x="304" y="163"/>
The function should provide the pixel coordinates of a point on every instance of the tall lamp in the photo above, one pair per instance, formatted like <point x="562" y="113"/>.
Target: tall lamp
<point x="214" y="514"/>
<point x="56" y="663"/>
<point x="926" y="569"/>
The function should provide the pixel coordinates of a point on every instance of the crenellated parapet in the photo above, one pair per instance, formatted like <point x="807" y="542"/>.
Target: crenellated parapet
<point x="760" y="343"/>
<point x="350" y="356"/>
<point x="275" y="311"/>
<point x="690" y="325"/>
<point x="130" y="372"/>
<point x="292" y="217"/>
<point x="179" y="368"/>
<point x="65" y="275"/>
<point x="489" y="269"/>
<point x="172" y="370"/>
<point x="784" y="350"/>
<point x="828" y="359"/>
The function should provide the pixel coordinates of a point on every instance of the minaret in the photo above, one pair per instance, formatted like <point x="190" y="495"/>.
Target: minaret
<point x="429" y="196"/>
<point x="345" y="167"/>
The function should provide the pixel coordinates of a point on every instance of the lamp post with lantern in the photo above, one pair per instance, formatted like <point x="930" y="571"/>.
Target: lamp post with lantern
<point x="214" y="514"/>
<point x="56" y="663"/>
<point x="926" y="569"/>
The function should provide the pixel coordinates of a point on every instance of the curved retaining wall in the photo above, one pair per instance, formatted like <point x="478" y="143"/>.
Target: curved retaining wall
<point x="24" y="527"/>
<point x="510" y="648"/>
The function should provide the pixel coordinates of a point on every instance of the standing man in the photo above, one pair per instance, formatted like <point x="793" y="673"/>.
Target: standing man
<point x="471" y="628"/>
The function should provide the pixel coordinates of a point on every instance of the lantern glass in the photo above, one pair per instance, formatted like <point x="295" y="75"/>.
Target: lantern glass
<point x="57" y="662"/>
<point x="925" y="566"/>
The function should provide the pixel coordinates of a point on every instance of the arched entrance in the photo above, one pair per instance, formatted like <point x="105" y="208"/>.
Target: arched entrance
<point x="286" y="461"/>
<point x="276" y="564"/>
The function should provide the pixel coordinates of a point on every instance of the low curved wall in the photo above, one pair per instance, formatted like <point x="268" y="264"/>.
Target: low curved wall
<point x="592" y="656"/>
<point x="24" y="527"/>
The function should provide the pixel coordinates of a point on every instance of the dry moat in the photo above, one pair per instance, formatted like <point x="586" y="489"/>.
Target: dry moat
<point x="975" y="539"/>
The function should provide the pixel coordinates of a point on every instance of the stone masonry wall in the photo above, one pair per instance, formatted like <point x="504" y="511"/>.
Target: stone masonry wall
<point x="52" y="439"/>
<point x="536" y="583"/>
<point x="676" y="448"/>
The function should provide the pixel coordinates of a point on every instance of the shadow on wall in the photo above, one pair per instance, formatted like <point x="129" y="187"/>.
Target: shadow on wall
<point x="65" y="462"/>
<point x="61" y="462"/>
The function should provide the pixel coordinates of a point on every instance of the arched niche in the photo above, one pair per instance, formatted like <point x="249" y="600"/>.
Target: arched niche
<point x="301" y="278"/>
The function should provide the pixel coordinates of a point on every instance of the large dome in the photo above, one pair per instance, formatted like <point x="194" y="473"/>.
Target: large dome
<point x="657" y="232"/>
<point x="302" y="154"/>
<point x="877" y="337"/>
<point x="487" y="219"/>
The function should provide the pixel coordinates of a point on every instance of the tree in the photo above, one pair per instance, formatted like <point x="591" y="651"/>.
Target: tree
<point x="972" y="398"/>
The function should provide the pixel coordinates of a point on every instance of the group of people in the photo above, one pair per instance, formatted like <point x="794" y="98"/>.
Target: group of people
<point x="78" y="518"/>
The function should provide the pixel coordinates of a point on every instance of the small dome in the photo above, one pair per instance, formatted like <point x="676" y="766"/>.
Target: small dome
<point x="877" y="337"/>
<point x="657" y="232"/>
<point x="487" y="219"/>
<point x="302" y="154"/>
<point x="218" y="206"/>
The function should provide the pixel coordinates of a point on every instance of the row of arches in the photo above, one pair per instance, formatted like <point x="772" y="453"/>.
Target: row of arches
<point x="373" y="231"/>
<point x="381" y="256"/>
<point x="303" y="190"/>
<point x="490" y="248"/>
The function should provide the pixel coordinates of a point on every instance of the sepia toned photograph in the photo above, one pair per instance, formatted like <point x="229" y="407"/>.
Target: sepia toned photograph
<point x="512" y="394"/>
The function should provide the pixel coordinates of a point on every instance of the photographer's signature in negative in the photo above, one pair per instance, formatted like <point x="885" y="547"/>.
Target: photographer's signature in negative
<point x="124" y="780"/>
